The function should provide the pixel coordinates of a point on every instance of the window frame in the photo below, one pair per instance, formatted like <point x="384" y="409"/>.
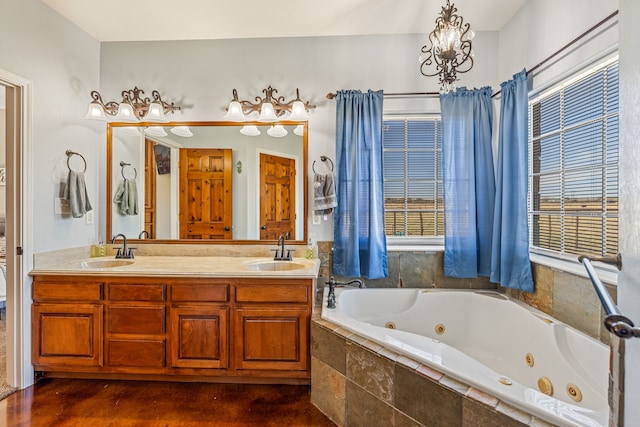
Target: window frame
<point x="416" y="243"/>
<point x="557" y="260"/>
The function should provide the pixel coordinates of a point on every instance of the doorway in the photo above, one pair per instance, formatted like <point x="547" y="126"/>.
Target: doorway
<point x="19" y="252"/>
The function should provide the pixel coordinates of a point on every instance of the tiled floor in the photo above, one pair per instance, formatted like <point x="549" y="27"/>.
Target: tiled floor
<point x="93" y="403"/>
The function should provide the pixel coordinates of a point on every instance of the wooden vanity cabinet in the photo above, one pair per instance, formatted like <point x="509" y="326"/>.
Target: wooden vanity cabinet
<point x="67" y="321"/>
<point x="136" y="333"/>
<point x="271" y="325"/>
<point x="243" y="330"/>
<point x="200" y="325"/>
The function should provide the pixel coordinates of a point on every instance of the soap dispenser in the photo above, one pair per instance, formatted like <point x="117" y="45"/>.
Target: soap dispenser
<point x="312" y="248"/>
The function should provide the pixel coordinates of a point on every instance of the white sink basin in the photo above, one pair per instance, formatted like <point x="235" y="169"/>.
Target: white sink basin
<point x="275" y="266"/>
<point x="105" y="263"/>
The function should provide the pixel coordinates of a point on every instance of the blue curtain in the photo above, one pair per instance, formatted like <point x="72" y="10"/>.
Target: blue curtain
<point x="469" y="181"/>
<point x="510" y="264"/>
<point x="360" y="245"/>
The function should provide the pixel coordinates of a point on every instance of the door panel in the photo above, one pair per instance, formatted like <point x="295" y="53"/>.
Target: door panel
<point x="205" y="194"/>
<point x="277" y="197"/>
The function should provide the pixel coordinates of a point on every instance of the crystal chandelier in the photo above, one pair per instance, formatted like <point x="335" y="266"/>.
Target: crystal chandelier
<point x="449" y="49"/>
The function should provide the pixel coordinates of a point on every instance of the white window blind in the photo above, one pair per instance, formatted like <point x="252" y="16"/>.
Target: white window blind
<point x="573" y="165"/>
<point x="412" y="158"/>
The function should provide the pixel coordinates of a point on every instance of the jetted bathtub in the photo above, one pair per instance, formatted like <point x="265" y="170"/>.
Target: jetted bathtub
<point x="488" y="341"/>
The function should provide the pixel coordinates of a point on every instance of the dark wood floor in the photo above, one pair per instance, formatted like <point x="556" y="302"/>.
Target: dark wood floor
<point x="93" y="403"/>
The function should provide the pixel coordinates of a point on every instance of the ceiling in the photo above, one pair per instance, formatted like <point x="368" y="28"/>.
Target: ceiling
<point x="145" y="20"/>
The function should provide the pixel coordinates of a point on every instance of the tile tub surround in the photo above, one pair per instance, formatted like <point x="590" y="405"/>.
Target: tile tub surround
<point x="356" y="382"/>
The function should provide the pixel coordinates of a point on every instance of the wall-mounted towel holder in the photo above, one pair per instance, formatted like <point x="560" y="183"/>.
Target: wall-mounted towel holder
<point x="69" y="154"/>
<point x="123" y="164"/>
<point x="324" y="159"/>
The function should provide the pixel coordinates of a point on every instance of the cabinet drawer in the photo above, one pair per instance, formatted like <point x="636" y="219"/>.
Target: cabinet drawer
<point x="137" y="292"/>
<point x="146" y="320"/>
<point x="138" y="353"/>
<point x="200" y="292"/>
<point x="67" y="291"/>
<point x="272" y="293"/>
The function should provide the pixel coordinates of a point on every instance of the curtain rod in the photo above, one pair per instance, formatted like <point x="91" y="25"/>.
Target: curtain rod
<point x="566" y="46"/>
<point x="333" y="95"/>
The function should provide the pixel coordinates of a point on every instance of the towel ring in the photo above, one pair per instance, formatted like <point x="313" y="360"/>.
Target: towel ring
<point x="123" y="165"/>
<point x="69" y="154"/>
<point x="324" y="159"/>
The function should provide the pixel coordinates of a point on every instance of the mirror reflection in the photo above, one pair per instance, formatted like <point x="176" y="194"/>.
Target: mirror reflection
<point x="204" y="181"/>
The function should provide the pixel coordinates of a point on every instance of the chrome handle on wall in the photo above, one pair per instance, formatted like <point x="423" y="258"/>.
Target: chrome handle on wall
<point x="615" y="322"/>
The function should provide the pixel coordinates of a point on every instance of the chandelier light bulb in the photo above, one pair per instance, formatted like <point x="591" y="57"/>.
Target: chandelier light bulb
<point x="156" y="113"/>
<point x="267" y="113"/>
<point x="96" y="112"/>
<point x="234" y="112"/>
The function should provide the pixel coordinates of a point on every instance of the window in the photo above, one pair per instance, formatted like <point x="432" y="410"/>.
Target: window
<point x="412" y="158"/>
<point x="573" y="165"/>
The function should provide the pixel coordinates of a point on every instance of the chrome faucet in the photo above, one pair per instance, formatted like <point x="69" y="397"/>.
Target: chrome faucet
<point x="123" y="252"/>
<point x="144" y="233"/>
<point x="331" y="299"/>
<point x="280" y="256"/>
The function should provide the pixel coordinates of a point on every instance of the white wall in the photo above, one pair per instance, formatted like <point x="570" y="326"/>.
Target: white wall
<point x="629" y="279"/>
<point x="200" y="75"/>
<point x="62" y="62"/>
<point x="542" y="27"/>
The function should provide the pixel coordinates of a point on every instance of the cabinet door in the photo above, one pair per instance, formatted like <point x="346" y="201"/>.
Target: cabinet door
<point x="271" y="338"/>
<point x="199" y="336"/>
<point x="67" y="334"/>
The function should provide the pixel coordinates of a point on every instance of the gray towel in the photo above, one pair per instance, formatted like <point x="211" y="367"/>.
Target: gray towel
<point x="76" y="193"/>
<point x="126" y="197"/>
<point x="324" y="193"/>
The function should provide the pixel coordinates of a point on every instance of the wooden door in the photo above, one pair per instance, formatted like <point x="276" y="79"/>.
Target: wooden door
<point x="205" y="194"/>
<point x="277" y="197"/>
<point x="150" y="189"/>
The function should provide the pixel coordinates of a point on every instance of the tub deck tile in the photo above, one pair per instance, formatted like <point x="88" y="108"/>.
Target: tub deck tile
<point x="365" y="410"/>
<point x="408" y="362"/>
<point x="426" y="401"/>
<point x="514" y="413"/>
<point x="428" y="372"/>
<point x="328" y="347"/>
<point x="482" y="397"/>
<point x="454" y="384"/>
<point x="370" y="371"/>
<point x="328" y="391"/>
<point x="475" y="414"/>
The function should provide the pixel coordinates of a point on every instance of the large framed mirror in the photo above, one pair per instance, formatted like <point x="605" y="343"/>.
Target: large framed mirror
<point x="207" y="182"/>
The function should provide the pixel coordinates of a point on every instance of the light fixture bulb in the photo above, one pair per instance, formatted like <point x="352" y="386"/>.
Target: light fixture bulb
<point x="126" y="113"/>
<point x="96" y="112"/>
<point x="156" y="113"/>
<point x="182" y="131"/>
<point x="250" y="130"/>
<point x="277" y="131"/>
<point x="155" y="131"/>
<point x="267" y="113"/>
<point x="298" y="112"/>
<point x="234" y="112"/>
<point x="299" y="130"/>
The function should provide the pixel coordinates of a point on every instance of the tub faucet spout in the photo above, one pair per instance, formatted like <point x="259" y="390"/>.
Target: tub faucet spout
<point x="331" y="299"/>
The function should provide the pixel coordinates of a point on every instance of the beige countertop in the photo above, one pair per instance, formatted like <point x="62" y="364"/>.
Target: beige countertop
<point x="186" y="266"/>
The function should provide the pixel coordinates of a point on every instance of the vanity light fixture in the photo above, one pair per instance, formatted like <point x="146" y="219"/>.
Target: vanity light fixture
<point x="271" y="108"/>
<point x="132" y="108"/>
<point x="449" y="48"/>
